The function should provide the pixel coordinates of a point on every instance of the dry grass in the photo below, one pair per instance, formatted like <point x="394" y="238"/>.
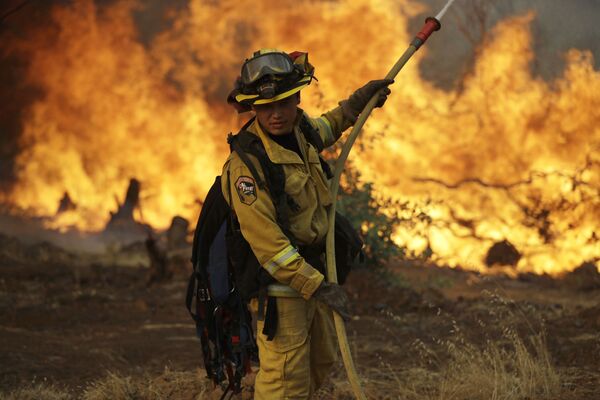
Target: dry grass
<point x="168" y="385"/>
<point x="496" y="364"/>
<point x="503" y="370"/>
<point x="506" y="366"/>
<point x="37" y="391"/>
<point x="507" y="369"/>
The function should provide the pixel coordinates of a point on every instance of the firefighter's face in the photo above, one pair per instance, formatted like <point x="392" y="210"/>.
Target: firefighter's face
<point x="278" y="117"/>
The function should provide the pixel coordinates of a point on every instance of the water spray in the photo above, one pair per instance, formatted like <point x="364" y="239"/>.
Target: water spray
<point x="443" y="11"/>
<point x="432" y="24"/>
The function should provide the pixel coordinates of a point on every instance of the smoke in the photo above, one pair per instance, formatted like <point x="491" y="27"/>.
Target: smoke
<point x="155" y="17"/>
<point x="14" y="97"/>
<point x="558" y="27"/>
<point x="15" y="93"/>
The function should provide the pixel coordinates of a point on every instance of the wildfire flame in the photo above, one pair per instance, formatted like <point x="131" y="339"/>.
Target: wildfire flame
<point x="506" y="156"/>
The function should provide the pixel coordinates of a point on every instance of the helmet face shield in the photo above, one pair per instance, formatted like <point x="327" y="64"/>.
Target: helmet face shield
<point x="266" y="64"/>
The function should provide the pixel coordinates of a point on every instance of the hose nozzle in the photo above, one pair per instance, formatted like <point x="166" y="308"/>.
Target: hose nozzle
<point x="431" y="25"/>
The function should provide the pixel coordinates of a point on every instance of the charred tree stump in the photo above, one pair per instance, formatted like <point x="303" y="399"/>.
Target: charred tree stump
<point x="502" y="253"/>
<point x="132" y="199"/>
<point x="66" y="204"/>
<point x="177" y="234"/>
<point x="178" y="248"/>
<point x="585" y="277"/>
<point x="121" y="225"/>
<point x="159" y="263"/>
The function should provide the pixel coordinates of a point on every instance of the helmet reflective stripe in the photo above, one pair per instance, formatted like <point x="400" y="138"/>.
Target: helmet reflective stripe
<point x="302" y="83"/>
<point x="242" y="97"/>
<point x="274" y="63"/>
<point x="281" y="96"/>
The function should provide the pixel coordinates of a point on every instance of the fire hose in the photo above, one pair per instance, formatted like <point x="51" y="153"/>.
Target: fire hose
<point x="432" y="24"/>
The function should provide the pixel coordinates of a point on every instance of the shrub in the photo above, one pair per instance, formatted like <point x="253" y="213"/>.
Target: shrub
<point x="376" y="216"/>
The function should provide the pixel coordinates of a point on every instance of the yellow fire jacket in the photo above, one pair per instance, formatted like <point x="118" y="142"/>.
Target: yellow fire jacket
<point x="305" y="183"/>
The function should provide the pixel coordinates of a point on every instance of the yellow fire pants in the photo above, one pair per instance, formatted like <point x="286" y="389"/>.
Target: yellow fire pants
<point x="298" y="359"/>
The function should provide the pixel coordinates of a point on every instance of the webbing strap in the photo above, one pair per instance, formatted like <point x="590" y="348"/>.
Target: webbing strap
<point x="311" y="134"/>
<point x="245" y="143"/>
<point x="234" y="142"/>
<point x="262" y="296"/>
<point x="189" y="296"/>
<point x="271" y="318"/>
<point x="225" y="392"/>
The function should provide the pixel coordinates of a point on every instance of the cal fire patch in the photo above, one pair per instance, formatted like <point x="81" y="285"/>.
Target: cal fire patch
<point x="246" y="189"/>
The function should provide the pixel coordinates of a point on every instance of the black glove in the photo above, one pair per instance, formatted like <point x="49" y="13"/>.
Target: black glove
<point x="335" y="297"/>
<point x="354" y="105"/>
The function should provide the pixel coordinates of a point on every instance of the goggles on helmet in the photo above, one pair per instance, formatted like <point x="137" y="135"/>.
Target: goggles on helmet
<point x="273" y="63"/>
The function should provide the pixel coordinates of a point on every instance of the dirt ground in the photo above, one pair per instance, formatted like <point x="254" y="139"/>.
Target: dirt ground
<point x="70" y="323"/>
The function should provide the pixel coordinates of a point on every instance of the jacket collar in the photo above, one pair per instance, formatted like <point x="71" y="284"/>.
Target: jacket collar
<point x="275" y="152"/>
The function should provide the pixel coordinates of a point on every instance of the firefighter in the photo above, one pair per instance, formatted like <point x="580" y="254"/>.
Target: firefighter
<point x="303" y="348"/>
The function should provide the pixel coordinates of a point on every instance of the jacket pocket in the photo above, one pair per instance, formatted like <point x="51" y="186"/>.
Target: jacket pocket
<point x="295" y="180"/>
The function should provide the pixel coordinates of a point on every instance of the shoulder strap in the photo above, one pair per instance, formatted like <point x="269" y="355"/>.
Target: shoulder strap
<point x="248" y="123"/>
<point x="311" y="134"/>
<point x="245" y="143"/>
<point x="241" y="144"/>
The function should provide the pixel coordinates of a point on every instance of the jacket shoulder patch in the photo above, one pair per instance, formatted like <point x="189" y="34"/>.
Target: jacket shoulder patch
<point x="246" y="189"/>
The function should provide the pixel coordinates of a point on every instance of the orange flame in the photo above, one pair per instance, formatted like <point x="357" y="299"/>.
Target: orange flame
<point x="508" y="156"/>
